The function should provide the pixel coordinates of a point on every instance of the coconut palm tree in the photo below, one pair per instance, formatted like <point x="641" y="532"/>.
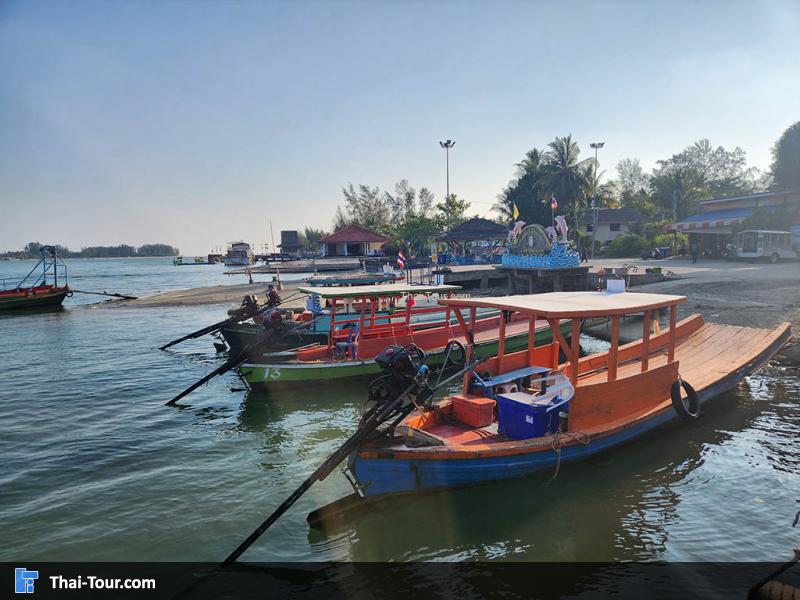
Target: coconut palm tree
<point x="525" y="191"/>
<point x="568" y="179"/>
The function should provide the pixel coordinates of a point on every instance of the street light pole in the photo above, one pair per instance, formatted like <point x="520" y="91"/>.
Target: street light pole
<point x="447" y="145"/>
<point x="596" y="146"/>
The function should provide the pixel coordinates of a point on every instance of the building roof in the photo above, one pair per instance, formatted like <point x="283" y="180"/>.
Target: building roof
<point x="715" y="219"/>
<point x="615" y="215"/>
<point x="756" y="196"/>
<point x="353" y="234"/>
<point x="476" y="228"/>
<point x="565" y="305"/>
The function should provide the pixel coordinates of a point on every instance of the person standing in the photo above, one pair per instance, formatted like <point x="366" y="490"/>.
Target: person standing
<point x="693" y="250"/>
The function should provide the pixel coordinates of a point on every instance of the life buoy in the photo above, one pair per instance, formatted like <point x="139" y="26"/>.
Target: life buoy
<point x="692" y="411"/>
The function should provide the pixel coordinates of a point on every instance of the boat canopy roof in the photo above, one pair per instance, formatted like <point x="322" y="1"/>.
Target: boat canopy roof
<point x="386" y="289"/>
<point x="565" y="305"/>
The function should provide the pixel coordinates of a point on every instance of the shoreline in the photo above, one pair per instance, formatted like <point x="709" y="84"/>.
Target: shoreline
<point x="746" y="294"/>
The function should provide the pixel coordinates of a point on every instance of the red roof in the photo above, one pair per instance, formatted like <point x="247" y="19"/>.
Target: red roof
<point x="352" y="234"/>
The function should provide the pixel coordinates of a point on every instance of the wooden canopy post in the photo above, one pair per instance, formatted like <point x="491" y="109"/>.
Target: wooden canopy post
<point x="501" y="342"/>
<point x="363" y="315"/>
<point x="673" y="320"/>
<point x="333" y="323"/>
<point x="531" y="337"/>
<point x="645" y="340"/>
<point x="372" y="311"/>
<point x="555" y="329"/>
<point x="575" y="346"/>
<point x="612" y="352"/>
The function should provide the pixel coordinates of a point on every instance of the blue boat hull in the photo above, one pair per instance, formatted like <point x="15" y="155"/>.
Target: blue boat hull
<point x="381" y="476"/>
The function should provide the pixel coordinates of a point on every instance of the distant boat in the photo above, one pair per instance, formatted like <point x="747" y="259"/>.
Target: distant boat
<point x="182" y="261"/>
<point x="39" y="288"/>
<point x="240" y="254"/>
<point x="353" y="279"/>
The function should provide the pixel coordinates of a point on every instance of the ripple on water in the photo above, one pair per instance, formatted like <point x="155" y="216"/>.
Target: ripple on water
<point x="94" y="466"/>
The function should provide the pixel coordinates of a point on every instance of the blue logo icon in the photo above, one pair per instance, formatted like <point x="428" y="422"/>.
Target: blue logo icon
<point x="23" y="580"/>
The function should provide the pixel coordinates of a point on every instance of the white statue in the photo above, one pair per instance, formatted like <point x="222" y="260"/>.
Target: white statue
<point x="561" y="223"/>
<point x="514" y="233"/>
<point x="551" y="234"/>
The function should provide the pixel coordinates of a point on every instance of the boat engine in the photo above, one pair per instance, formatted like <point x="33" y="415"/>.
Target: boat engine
<point x="404" y="370"/>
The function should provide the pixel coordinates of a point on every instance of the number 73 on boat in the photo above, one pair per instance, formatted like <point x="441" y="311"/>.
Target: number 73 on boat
<point x="522" y="411"/>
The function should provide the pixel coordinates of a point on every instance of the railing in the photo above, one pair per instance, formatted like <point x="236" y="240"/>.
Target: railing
<point x="52" y="273"/>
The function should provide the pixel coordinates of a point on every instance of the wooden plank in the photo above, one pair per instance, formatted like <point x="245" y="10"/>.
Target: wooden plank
<point x="645" y="340"/>
<point x="531" y="337"/>
<point x="612" y="353"/>
<point x="501" y="343"/>
<point x="673" y="319"/>
<point x="575" y="347"/>
<point x="556" y="329"/>
<point x="567" y="305"/>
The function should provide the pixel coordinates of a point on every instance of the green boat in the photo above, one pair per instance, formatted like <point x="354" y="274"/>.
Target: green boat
<point x="279" y="374"/>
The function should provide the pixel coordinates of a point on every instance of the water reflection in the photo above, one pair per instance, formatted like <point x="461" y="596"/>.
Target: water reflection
<point x="621" y="505"/>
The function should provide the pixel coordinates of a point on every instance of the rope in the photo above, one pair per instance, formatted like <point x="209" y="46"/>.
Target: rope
<point x="579" y="436"/>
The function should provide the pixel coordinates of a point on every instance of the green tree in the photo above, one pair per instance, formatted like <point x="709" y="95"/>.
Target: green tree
<point x="416" y="233"/>
<point x="568" y="178"/>
<point x="526" y="192"/>
<point x="309" y="239"/>
<point x="785" y="168"/>
<point x="452" y="212"/>
<point x="367" y="206"/>
<point x="698" y="173"/>
<point x="633" y="185"/>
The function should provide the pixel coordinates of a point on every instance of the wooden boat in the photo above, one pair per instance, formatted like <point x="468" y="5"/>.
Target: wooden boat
<point x="35" y="291"/>
<point x="353" y="279"/>
<point x="561" y="413"/>
<point x="313" y="325"/>
<point x="360" y="328"/>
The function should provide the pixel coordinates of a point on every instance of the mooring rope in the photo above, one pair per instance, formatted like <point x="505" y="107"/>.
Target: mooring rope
<point x="579" y="436"/>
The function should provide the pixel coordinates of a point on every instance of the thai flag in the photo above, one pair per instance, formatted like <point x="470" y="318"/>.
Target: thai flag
<point x="401" y="260"/>
<point x="553" y="203"/>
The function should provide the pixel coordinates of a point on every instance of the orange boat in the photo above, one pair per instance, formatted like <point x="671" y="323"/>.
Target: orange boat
<point x="360" y="328"/>
<point x="34" y="291"/>
<point x="520" y="412"/>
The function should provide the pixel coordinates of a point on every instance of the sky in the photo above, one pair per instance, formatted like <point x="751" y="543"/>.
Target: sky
<point x="195" y="123"/>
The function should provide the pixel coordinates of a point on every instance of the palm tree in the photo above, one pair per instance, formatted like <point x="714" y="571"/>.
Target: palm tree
<point x="524" y="190"/>
<point x="569" y="179"/>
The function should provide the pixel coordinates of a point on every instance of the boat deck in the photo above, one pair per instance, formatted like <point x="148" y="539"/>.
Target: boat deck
<point x="706" y="356"/>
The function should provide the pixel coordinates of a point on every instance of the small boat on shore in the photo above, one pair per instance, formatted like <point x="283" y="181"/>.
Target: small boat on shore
<point x="560" y="413"/>
<point x="240" y="254"/>
<point x="353" y="279"/>
<point x="45" y="285"/>
<point x="363" y="321"/>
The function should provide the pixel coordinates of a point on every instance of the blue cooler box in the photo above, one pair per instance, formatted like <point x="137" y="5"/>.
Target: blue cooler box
<point x="521" y="416"/>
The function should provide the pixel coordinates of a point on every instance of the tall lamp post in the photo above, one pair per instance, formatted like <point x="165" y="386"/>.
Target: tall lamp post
<point x="596" y="146"/>
<point x="447" y="145"/>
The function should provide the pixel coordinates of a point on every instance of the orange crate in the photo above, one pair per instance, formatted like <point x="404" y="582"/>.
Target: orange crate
<point x="475" y="411"/>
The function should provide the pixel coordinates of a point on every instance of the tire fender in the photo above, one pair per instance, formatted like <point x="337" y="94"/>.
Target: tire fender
<point x="686" y="412"/>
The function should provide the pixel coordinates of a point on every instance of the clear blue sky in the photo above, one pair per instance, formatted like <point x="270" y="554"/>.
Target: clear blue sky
<point x="195" y="122"/>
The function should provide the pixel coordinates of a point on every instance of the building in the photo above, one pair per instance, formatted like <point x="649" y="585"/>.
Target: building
<point x="290" y="242"/>
<point x="352" y="240"/>
<point x="612" y="222"/>
<point x="473" y="237"/>
<point x="712" y="227"/>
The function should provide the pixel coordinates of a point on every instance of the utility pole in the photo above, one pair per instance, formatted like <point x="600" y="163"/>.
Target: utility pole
<point x="674" y="220"/>
<point x="447" y="145"/>
<point x="596" y="146"/>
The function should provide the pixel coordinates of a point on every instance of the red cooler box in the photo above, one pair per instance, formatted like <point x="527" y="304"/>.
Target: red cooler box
<point x="475" y="411"/>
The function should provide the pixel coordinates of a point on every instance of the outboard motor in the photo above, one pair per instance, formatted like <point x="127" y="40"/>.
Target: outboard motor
<point x="404" y="369"/>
